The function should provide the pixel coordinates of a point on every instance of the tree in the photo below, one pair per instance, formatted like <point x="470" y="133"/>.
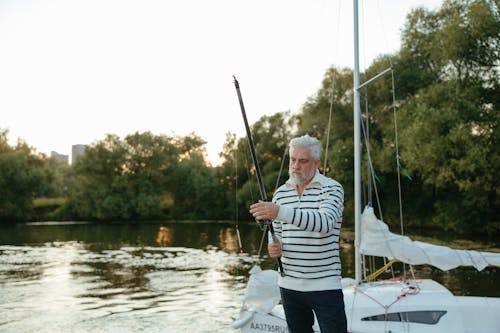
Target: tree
<point x="129" y="179"/>
<point x="196" y="193"/>
<point x="23" y="174"/>
<point x="450" y="127"/>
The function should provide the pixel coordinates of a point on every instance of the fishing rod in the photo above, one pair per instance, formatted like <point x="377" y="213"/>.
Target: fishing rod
<point x="262" y="190"/>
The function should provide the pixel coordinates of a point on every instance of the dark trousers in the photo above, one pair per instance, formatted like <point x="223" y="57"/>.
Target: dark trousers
<point x="328" y="305"/>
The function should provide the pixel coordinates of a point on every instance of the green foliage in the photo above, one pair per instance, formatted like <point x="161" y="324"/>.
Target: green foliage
<point x="129" y="179"/>
<point x="449" y="127"/>
<point x="197" y="194"/>
<point x="446" y="81"/>
<point x="23" y="175"/>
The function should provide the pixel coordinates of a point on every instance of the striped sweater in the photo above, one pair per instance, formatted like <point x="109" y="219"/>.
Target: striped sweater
<point x="309" y="229"/>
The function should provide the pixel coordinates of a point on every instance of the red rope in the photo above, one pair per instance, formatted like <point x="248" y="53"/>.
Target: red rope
<point x="405" y="291"/>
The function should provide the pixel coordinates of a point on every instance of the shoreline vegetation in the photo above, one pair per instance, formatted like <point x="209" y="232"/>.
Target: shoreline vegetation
<point x="56" y="203"/>
<point x="438" y="236"/>
<point x="446" y="87"/>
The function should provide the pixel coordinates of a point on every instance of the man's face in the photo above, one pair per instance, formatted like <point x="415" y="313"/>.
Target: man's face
<point x="302" y="166"/>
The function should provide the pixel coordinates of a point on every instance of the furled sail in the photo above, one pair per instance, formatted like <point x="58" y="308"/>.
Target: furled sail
<point x="377" y="240"/>
<point x="261" y="296"/>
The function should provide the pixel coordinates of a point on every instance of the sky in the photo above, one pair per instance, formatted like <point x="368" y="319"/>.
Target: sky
<point x="72" y="71"/>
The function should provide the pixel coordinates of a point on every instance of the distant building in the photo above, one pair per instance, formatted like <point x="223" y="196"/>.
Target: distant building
<point x="76" y="152"/>
<point x="59" y="157"/>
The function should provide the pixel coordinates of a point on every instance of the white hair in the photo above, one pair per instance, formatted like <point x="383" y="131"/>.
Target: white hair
<point x="306" y="141"/>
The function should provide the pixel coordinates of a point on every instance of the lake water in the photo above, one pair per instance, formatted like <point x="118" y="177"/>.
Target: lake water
<point x="85" y="277"/>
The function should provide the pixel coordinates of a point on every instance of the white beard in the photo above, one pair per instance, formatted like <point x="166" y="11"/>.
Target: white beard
<point x="297" y="180"/>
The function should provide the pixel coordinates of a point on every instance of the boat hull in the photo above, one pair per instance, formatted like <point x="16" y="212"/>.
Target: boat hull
<point x="419" y="306"/>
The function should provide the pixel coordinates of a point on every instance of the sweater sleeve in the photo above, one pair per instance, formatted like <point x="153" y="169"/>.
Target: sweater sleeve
<point x="324" y="218"/>
<point x="277" y="229"/>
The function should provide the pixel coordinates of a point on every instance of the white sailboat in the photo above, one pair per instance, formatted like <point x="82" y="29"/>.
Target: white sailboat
<point x="396" y="305"/>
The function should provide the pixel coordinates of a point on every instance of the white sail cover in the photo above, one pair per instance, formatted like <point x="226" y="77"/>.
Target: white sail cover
<point x="261" y="296"/>
<point x="262" y="292"/>
<point x="377" y="240"/>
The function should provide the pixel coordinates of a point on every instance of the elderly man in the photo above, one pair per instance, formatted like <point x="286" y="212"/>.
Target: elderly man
<point x="306" y="213"/>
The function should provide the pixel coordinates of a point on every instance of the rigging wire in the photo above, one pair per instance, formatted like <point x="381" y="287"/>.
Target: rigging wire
<point x="398" y="164"/>
<point x="375" y="190"/>
<point x="236" y="196"/>
<point x="329" y="123"/>
<point x="238" y="236"/>
<point x="247" y="168"/>
<point x="368" y="180"/>
<point x="264" y="232"/>
<point x="372" y="170"/>
<point x="365" y="135"/>
<point x="368" y="194"/>
<point x="236" y="201"/>
<point x="374" y="183"/>
<point x="327" y="144"/>
<point x="281" y="168"/>
<point x="365" y="129"/>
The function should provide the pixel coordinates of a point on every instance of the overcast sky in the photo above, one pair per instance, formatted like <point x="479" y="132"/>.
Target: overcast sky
<point x="72" y="71"/>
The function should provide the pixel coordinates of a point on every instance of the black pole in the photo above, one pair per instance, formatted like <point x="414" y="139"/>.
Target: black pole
<point x="262" y="190"/>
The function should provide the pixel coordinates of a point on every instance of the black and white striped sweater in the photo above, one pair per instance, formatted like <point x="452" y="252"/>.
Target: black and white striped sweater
<point x="309" y="228"/>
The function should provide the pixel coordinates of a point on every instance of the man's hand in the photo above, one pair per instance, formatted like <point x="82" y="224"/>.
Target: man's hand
<point x="274" y="248"/>
<point x="264" y="211"/>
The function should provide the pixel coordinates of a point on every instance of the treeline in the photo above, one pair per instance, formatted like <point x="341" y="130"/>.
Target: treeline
<point x="140" y="177"/>
<point x="444" y="112"/>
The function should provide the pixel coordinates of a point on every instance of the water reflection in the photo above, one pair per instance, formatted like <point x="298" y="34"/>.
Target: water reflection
<point x="228" y="240"/>
<point x="147" y="277"/>
<point x="137" y="281"/>
<point x="164" y="237"/>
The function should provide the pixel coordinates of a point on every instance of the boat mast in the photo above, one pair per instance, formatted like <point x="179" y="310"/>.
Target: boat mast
<point x="357" y="152"/>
